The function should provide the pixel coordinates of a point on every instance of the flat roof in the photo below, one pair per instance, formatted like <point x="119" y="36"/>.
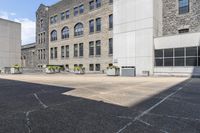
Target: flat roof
<point x="1" y="19"/>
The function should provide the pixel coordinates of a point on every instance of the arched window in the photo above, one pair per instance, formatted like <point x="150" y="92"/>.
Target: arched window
<point x="65" y="32"/>
<point x="78" y="29"/>
<point x="54" y="35"/>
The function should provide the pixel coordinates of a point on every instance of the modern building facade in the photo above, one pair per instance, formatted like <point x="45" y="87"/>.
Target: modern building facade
<point x="157" y="36"/>
<point x="10" y="43"/>
<point x="81" y="34"/>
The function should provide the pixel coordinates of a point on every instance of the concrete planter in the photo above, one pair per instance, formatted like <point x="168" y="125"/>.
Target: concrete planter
<point x="15" y="70"/>
<point x="79" y="72"/>
<point x="113" y="72"/>
<point x="49" y="71"/>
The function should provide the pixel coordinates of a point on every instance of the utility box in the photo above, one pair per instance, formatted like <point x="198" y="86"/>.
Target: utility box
<point x="128" y="71"/>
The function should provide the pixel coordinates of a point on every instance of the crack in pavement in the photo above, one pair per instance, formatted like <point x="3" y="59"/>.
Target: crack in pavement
<point x="28" y="123"/>
<point x="41" y="103"/>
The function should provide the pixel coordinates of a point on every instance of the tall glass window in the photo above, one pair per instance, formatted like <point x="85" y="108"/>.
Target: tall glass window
<point x="91" y="26"/>
<point x="91" y="48"/>
<point x="91" y="5"/>
<point x="98" y="3"/>
<point x="81" y="9"/>
<point x="98" y="48"/>
<point x="183" y="6"/>
<point x="67" y="51"/>
<point x="65" y="33"/>
<point x="98" y="24"/>
<point x="81" y="49"/>
<point x="62" y="51"/>
<point x="110" y="46"/>
<point x="75" y="50"/>
<point x="110" y="21"/>
<point x="54" y="35"/>
<point x="78" y="29"/>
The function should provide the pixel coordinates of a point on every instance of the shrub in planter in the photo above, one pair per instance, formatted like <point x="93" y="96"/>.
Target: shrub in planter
<point x="57" y="69"/>
<point x="16" y="69"/>
<point x="79" y="70"/>
<point x="113" y="71"/>
<point x="50" y="69"/>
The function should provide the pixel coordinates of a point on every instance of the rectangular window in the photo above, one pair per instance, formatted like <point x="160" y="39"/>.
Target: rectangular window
<point x="81" y="49"/>
<point x="168" y="62"/>
<point x="199" y="51"/>
<point x="110" y="21"/>
<point x="62" y="15"/>
<point x="110" y="46"/>
<point x="198" y="61"/>
<point x="91" y="26"/>
<point x="98" y="24"/>
<point x="98" y="3"/>
<point x="51" y="20"/>
<point x="91" y="48"/>
<point x="81" y="9"/>
<point x="55" y="18"/>
<point x="191" y="61"/>
<point x="98" y="67"/>
<point x="51" y="53"/>
<point x="179" y="61"/>
<point x="91" y="5"/>
<point x="75" y="11"/>
<point x="179" y="52"/>
<point x="110" y="1"/>
<point x="62" y="51"/>
<point x="44" y="54"/>
<point x="168" y="53"/>
<point x="75" y="50"/>
<point x="159" y="62"/>
<point x="38" y="38"/>
<point x="159" y="53"/>
<point x="67" y="51"/>
<point x="44" y="37"/>
<point x="98" y="48"/>
<point x="91" y="67"/>
<point x="39" y="54"/>
<point x="191" y="51"/>
<point x="183" y="6"/>
<point x="56" y="52"/>
<point x="67" y="14"/>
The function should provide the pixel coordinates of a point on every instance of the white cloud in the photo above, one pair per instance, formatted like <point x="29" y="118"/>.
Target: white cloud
<point x="28" y="26"/>
<point x="4" y="15"/>
<point x="28" y="30"/>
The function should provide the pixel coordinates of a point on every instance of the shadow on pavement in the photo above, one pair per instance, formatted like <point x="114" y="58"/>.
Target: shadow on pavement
<point x="36" y="108"/>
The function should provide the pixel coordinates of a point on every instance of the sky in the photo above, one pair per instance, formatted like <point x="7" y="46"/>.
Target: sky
<point x="23" y="11"/>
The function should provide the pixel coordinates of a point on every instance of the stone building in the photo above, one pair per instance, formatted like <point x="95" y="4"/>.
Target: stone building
<point x="10" y="42"/>
<point x="28" y="55"/>
<point x="81" y="34"/>
<point x="181" y="16"/>
<point x="42" y="36"/>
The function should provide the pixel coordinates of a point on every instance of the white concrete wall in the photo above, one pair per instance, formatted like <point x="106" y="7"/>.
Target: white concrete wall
<point x="158" y="14"/>
<point x="10" y="43"/>
<point x="133" y="34"/>
<point x="177" y="41"/>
